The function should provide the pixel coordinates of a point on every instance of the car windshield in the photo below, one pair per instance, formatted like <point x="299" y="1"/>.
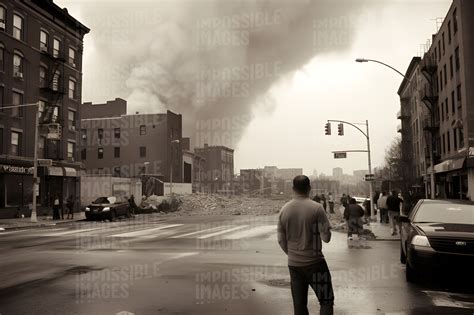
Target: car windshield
<point x="445" y="213"/>
<point x="102" y="200"/>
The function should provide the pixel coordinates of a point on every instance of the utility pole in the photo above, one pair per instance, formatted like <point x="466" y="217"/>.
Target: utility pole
<point x="171" y="166"/>
<point x="371" y="188"/>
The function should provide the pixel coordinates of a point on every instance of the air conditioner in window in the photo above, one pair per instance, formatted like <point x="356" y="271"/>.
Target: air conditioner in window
<point x="43" y="48"/>
<point x="2" y="26"/>
<point x="73" y="64"/>
<point x="18" y="74"/>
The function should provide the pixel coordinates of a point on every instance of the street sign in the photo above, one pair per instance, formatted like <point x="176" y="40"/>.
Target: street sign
<point x="369" y="177"/>
<point x="45" y="162"/>
<point x="340" y="155"/>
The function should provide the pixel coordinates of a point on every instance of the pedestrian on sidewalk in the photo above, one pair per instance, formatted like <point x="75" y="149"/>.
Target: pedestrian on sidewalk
<point x="393" y="205"/>
<point x="323" y="201"/>
<point x="353" y="215"/>
<point x="70" y="207"/>
<point x="56" y="208"/>
<point x="331" y="202"/>
<point x="382" y="205"/>
<point x="302" y="226"/>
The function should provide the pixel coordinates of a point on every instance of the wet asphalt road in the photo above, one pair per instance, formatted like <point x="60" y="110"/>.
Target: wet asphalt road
<point x="197" y="265"/>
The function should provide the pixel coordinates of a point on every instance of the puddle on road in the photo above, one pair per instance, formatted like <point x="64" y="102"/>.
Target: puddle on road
<point x="79" y="270"/>
<point x="279" y="283"/>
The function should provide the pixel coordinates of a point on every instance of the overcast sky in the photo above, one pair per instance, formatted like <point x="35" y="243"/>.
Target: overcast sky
<point x="194" y="57"/>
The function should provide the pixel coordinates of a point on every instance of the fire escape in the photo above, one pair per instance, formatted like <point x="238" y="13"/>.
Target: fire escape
<point x="429" y="96"/>
<point x="53" y="91"/>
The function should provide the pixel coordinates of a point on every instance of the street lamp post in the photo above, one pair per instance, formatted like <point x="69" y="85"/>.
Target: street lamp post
<point x="432" y="175"/>
<point x="171" y="167"/>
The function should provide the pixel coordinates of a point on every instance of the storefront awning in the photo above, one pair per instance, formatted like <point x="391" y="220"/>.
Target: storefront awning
<point x="55" y="171"/>
<point x="70" y="172"/>
<point x="449" y="165"/>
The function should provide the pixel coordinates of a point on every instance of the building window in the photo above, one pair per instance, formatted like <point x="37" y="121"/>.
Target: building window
<point x="3" y="15"/>
<point x="55" y="117"/>
<point x="71" y="146"/>
<point x="444" y="45"/>
<point x="456" y="58"/>
<point x="117" y="133"/>
<point x="44" y="41"/>
<point x="84" y="135"/>
<point x="441" y="109"/>
<point x="461" y="138"/>
<point x="441" y="79"/>
<point x="72" y="89"/>
<point x="83" y="154"/>
<point x="453" y="102"/>
<point x="15" y="143"/>
<point x="445" y="75"/>
<point x="449" y="32"/>
<point x="2" y="56"/>
<point x="459" y="96"/>
<point x="455" y="140"/>
<point x="100" y="153"/>
<point x="56" y="80"/>
<point x="446" y="104"/>
<point x="17" y="27"/>
<point x="71" y="116"/>
<point x="439" y="49"/>
<point x="56" y="47"/>
<point x="142" y="152"/>
<point x="72" y="57"/>
<point x="451" y="66"/>
<point x="41" y="107"/>
<point x="17" y="99"/>
<point x="116" y="152"/>
<point x="444" y="144"/>
<point x="455" y="20"/>
<point x="18" y="66"/>
<point x="142" y="130"/>
<point x="2" y="93"/>
<point x="448" y="140"/>
<point x="42" y="76"/>
<point x="117" y="171"/>
<point x="100" y="133"/>
<point x="41" y="145"/>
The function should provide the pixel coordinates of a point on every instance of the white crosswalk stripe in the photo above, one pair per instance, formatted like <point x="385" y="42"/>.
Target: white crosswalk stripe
<point x="222" y="232"/>
<point x="186" y="235"/>
<point x="256" y="231"/>
<point x="76" y="231"/>
<point x="147" y="233"/>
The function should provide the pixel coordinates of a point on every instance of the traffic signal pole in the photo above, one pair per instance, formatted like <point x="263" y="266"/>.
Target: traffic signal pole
<point x="366" y="135"/>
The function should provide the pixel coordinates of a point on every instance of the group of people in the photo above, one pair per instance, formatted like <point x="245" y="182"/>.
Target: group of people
<point x="58" y="210"/>
<point x="390" y="207"/>
<point x="325" y="202"/>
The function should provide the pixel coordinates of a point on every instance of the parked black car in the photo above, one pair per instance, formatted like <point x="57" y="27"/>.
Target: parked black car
<point x="107" y="208"/>
<point x="438" y="237"/>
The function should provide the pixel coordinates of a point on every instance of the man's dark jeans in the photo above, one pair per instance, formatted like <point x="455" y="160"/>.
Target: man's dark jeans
<point x="319" y="278"/>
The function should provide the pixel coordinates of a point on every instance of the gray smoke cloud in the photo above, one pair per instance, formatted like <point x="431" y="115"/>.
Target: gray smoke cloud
<point x="212" y="61"/>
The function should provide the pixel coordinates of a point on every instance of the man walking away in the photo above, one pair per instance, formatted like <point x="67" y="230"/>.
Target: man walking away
<point x="323" y="200"/>
<point x="70" y="207"/>
<point x="382" y="205"/>
<point x="56" y="208"/>
<point x="302" y="226"/>
<point x="393" y="205"/>
<point x="353" y="215"/>
<point x="331" y="202"/>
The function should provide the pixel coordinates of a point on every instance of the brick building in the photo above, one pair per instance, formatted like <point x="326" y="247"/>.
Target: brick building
<point x="40" y="62"/>
<point x="218" y="174"/>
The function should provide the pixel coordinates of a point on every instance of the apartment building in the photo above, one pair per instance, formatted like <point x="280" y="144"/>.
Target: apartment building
<point x="40" y="62"/>
<point x="448" y="73"/>
<point x="218" y="173"/>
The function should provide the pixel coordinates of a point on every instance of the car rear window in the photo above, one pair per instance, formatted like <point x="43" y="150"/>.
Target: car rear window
<point x="101" y="200"/>
<point x="445" y="213"/>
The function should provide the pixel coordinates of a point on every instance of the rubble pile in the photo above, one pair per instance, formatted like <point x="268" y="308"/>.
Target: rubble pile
<point x="214" y="204"/>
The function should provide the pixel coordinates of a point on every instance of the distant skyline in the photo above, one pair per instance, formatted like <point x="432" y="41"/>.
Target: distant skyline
<point x="283" y="124"/>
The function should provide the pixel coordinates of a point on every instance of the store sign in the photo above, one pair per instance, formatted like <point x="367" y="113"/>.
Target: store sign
<point x="15" y="169"/>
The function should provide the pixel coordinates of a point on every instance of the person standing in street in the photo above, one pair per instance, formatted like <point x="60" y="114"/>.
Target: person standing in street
<point x="353" y="215"/>
<point x="302" y="226"/>
<point x="382" y="205"/>
<point x="70" y="207"/>
<point x="393" y="205"/>
<point x="331" y="202"/>
<point x="323" y="200"/>
<point x="56" y="208"/>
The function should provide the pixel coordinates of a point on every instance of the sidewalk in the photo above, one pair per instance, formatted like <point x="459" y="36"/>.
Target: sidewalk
<point x="24" y="223"/>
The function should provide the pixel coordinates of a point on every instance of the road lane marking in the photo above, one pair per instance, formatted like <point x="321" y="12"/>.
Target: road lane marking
<point x="447" y="299"/>
<point x="71" y="232"/>
<point x="143" y="233"/>
<point x="199" y="232"/>
<point x="222" y="232"/>
<point x="259" y="230"/>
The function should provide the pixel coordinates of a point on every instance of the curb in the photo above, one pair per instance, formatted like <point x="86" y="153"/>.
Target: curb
<point x="38" y="225"/>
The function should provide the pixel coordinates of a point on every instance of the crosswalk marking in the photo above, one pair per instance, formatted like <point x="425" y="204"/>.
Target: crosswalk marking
<point x="446" y="299"/>
<point x="77" y="231"/>
<point x="199" y="232"/>
<point x="146" y="232"/>
<point x="259" y="230"/>
<point x="222" y="232"/>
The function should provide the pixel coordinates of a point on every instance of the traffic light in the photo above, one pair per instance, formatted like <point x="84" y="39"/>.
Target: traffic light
<point x="327" y="129"/>
<point x="340" y="129"/>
